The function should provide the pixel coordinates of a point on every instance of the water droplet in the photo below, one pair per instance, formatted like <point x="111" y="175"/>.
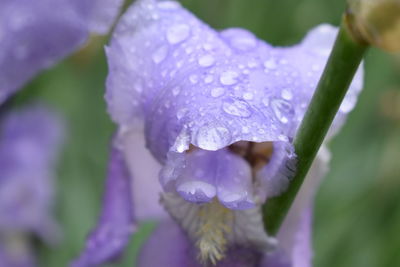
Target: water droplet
<point x="252" y="63"/>
<point x="315" y="67"/>
<point x="168" y="5"/>
<point x="208" y="79"/>
<point x="282" y="109"/>
<point x="206" y="61"/>
<point x="283" y="138"/>
<point x="138" y="87"/>
<point x="228" y="77"/>
<point x="181" y="113"/>
<point x="270" y="64"/>
<point x="176" y="91"/>
<point x="194" y="78"/>
<point x="217" y="92"/>
<point x="286" y="94"/>
<point x="212" y="137"/>
<point x="160" y="54"/>
<point x="241" y="39"/>
<point x="236" y="107"/>
<point x="178" y="33"/>
<point x="248" y="96"/>
<point x="265" y="101"/>
<point x="207" y="46"/>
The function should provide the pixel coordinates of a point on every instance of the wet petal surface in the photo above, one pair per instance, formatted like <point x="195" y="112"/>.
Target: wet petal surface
<point x="36" y="34"/>
<point x="116" y="222"/>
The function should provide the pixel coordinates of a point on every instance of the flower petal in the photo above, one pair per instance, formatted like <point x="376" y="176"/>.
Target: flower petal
<point x="102" y="13"/>
<point x="30" y="141"/>
<point x="208" y="89"/>
<point x="208" y="174"/>
<point x="294" y="235"/>
<point x="310" y="58"/>
<point x="116" y="223"/>
<point x="143" y="170"/>
<point x="157" y="251"/>
<point x="36" y="34"/>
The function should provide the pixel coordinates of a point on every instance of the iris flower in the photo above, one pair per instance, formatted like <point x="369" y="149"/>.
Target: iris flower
<point x="36" y="34"/>
<point x="30" y="141"/>
<point x="205" y="122"/>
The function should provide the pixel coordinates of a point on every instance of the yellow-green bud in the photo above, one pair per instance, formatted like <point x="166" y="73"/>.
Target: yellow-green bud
<point x="376" y="22"/>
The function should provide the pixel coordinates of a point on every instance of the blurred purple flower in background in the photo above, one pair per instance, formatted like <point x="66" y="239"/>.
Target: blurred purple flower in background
<point x="36" y="34"/>
<point x="213" y="115"/>
<point x="30" y="142"/>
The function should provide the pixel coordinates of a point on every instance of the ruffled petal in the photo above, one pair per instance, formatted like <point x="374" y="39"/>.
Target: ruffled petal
<point x="30" y="141"/>
<point x="116" y="223"/>
<point x="208" y="89"/>
<point x="209" y="174"/>
<point x="310" y="58"/>
<point x="36" y="34"/>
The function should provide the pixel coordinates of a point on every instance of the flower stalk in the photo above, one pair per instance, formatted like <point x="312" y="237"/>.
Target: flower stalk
<point x="342" y="65"/>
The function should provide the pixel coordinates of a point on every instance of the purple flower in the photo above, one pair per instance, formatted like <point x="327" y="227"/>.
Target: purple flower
<point x="36" y="34"/>
<point x="218" y="111"/>
<point x="29" y="144"/>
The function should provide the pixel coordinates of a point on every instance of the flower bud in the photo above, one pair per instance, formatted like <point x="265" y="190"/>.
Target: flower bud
<point x="376" y="22"/>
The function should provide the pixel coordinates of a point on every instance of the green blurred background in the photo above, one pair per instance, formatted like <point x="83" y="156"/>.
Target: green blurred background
<point x="357" y="219"/>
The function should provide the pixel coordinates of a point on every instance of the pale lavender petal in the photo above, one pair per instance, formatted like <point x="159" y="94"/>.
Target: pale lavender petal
<point x="310" y="58"/>
<point x="208" y="89"/>
<point x="209" y="174"/>
<point x="100" y="13"/>
<point x="30" y="141"/>
<point x="143" y="169"/>
<point x="36" y="34"/>
<point x="193" y="89"/>
<point x="275" y="176"/>
<point x="116" y="223"/>
<point x="167" y="247"/>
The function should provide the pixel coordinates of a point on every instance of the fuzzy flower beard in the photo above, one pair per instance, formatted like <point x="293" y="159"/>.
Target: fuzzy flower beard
<point x="213" y="115"/>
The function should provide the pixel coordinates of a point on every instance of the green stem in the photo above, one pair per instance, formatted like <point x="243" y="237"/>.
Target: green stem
<point x="336" y="78"/>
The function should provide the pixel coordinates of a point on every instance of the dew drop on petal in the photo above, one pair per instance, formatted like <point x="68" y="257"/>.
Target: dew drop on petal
<point x="245" y="130"/>
<point x="181" y="113"/>
<point x="212" y="137"/>
<point x="217" y="92"/>
<point x="168" y="5"/>
<point x="244" y="43"/>
<point x="193" y="79"/>
<point x="287" y="94"/>
<point x="248" y="96"/>
<point x="206" y="61"/>
<point x="237" y="108"/>
<point x="265" y="101"/>
<point x="178" y="33"/>
<point x="282" y="109"/>
<point x="160" y="54"/>
<point x="228" y="77"/>
<point x="270" y="64"/>
<point x="208" y="79"/>
<point x="176" y="91"/>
